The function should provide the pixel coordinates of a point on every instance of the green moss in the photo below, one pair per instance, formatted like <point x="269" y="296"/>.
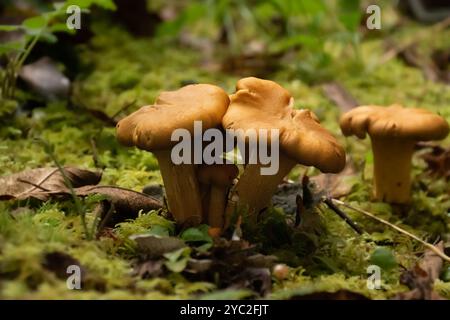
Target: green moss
<point x="324" y="253"/>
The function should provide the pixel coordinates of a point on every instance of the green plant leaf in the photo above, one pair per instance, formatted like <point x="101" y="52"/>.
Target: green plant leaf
<point x="158" y="230"/>
<point x="105" y="4"/>
<point x="177" y="260"/>
<point x="60" y="27"/>
<point x="11" y="46"/>
<point x="383" y="258"/>
<point x="9" y="27"/>
<point x="350" y="14"/>
<point x="446" y="275"/>
<point x="197" y="234"/>
<point x="34" y="23"/>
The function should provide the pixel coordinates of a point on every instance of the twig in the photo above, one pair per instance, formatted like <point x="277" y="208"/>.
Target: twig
<point x="33" y="184"/>
<point x="396" y="50"/>
<point x="95" y="156"/>
<point x="124" y="108"/>
<point x="343" y="215"/>
<point x="38" y="185"/>
<point x="409" y="234"/>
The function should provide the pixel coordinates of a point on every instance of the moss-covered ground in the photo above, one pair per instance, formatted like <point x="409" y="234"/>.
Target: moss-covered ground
<point x="124" y="69"/>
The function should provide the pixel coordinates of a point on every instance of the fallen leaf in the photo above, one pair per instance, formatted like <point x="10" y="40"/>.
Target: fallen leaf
<point x="39" y="183"/>
<point x="337" y="94"/>
<point x="177" y="261"/>
<point x="47" y="183"/>
<point x="199" y="265"/>
<point x="256" y="279"/>
<point x="335" y="185"/>
<point x="154" y="190"/>
<point x="438" y="160"/>
<point x="235" y="263"/>
<point x="44" y="77"/>
<point x="149" y="269"/>
<point x="420" y="279"/>
<point x="285" y="197"/>
<point x="156" y="246"/>
<point x="126" y="203"/>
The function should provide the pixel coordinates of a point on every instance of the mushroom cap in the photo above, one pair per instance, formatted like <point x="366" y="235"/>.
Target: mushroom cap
<point x="263" y="104"/>
<point x="217" y="174"/>
<point x="150" y="128"/>
<point x="394" y="121"/>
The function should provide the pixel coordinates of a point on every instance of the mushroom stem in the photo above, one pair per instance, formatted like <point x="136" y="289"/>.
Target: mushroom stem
<point x="255" y="190"/>
<point x="217" y="203"/>
<point x="204" y="194"/>
<point x="182" y="189"/>
<point x="392" y="169"/>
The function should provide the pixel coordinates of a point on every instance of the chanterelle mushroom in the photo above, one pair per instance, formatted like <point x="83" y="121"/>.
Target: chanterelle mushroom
<point x="393" y="131"/>
<point x="150" y="128"/>
<point x="218" y="178"/>
<point x="263" y="104"/>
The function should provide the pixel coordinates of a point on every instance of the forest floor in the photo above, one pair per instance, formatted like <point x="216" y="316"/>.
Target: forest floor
<point x="323" y="254"/>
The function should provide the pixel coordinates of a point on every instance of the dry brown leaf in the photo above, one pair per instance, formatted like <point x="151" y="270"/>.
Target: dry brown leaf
<point x="149" y="269"/>
<point x="421" y="278"/>
<point x="39" y="183"/>
<point x="334" y="184"/>
<point x="44" y="77"/>
<point x="155" y="246"/>
<point x="438" y="160"/>
<point x="123" y="199"/>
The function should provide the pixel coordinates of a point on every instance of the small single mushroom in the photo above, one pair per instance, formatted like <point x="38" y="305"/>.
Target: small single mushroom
<point x="393" y="131"/>
<point x="151" y="127"/>
<point x="263" y="104"/>
<point x="217" y="178"/>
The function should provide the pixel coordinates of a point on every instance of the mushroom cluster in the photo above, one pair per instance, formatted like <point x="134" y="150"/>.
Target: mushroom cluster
<point x="204" y="192"/>
<point x="198" y="192"/>
<point x="263" y="104"/>
<point x="393" y="131"/>
<point x="150" y="128"/>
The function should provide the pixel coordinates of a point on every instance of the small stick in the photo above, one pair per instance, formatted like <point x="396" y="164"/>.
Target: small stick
<point x="95" y="156"/>
<point x="426" y="244"/>
<point x="343" y="215"/>
<point x="33" y="184"/>
<point x="123" y="109"/>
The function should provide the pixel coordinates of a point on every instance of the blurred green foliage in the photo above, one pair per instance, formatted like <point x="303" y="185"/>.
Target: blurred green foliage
<point x="302" y="26"/>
